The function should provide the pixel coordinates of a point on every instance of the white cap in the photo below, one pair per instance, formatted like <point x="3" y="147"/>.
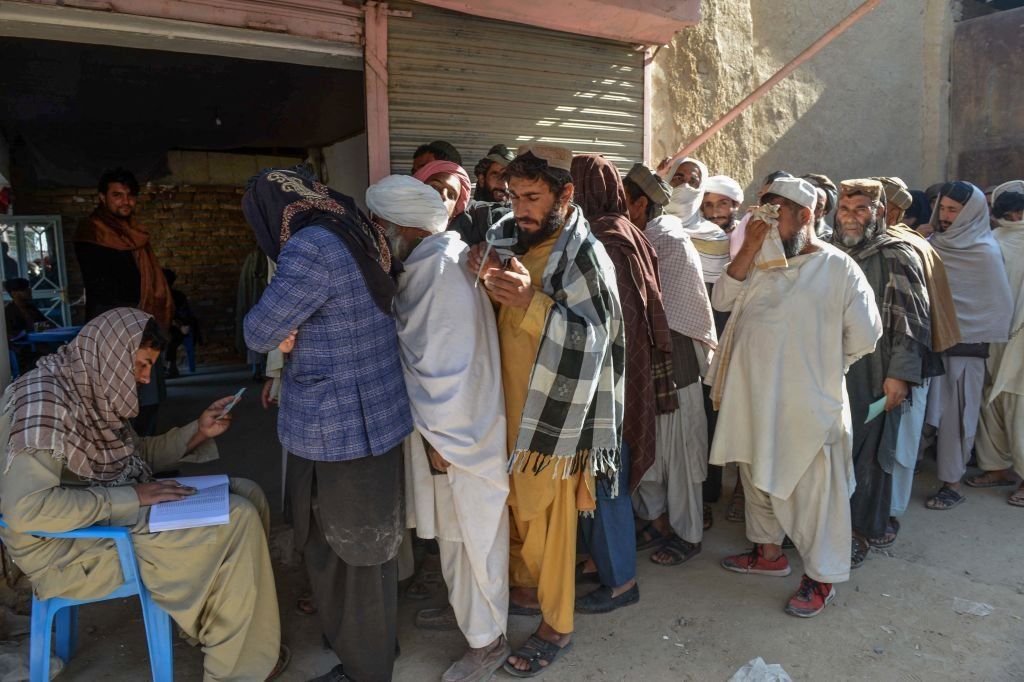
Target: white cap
<point x="405" y="201"/>
<point x="797" y="190"/>
<point x="726" y="186"/>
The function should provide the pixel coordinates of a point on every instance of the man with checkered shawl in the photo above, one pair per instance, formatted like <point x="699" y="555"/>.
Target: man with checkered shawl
<point x="562" y="358"/>
<point x="896" y="275"/>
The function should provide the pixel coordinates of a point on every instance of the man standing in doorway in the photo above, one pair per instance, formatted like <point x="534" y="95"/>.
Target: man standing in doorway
<point x="562" y="361"/>
<point x="802" y="314"/>
<point x="120" y="270"/>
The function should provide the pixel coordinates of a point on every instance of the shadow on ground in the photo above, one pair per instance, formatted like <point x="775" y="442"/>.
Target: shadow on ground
<point x="893" y="621"/>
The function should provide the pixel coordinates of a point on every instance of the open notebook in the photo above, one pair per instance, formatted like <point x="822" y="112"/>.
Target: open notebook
<point x="208" y="507"/>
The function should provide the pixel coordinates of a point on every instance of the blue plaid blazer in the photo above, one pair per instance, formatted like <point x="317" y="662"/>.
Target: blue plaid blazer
<point x="343" y="394"/>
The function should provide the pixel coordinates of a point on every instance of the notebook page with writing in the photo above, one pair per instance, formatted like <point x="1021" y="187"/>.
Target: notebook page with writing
<point x="208" y="507"/>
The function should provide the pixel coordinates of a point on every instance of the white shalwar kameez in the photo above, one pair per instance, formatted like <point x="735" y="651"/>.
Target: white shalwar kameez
<point x="673" y="484"/>
<point x="785" y="416"/>
<point x="449" y="344"/>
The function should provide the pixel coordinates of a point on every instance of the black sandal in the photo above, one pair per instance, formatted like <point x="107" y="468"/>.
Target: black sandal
<point x="892" y="529"/>
<point x="678" y="549"/>
<point x="858" y="552"/>
<point x="946" y="498"/>
<point x="709" y="518"/>
<point x="648" y="537"/>
<point x="533" y="651"/>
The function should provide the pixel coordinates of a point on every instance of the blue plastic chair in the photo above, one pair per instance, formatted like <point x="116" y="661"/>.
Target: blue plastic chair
<point x="64" y="612"/>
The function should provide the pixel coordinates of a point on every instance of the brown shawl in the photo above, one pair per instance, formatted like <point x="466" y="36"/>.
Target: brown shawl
<point x="77" y="401"/>
<point x="945" y="327"/>
<point x="650" y="389"/>
<point x="105" y="229"/>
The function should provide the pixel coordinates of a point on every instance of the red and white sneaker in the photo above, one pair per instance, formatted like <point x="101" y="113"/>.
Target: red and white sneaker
<point x="810" y="598"/>
<point x="755" y="562"/>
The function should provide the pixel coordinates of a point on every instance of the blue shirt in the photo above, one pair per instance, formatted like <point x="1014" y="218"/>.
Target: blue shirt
<point x="343" y="393"/>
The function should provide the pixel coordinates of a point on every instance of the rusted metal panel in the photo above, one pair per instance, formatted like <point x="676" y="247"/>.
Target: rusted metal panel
<point x="628" y="21"/>
<point x="330" y="20"/>
<point x="478" y="82"/>
<point x="986" y="100"/>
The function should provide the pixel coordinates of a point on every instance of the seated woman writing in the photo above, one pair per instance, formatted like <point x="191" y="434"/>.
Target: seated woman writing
<point x="74" y="461"/>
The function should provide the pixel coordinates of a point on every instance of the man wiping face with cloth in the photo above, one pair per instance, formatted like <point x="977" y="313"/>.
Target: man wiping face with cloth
<point x="802" y="313"/>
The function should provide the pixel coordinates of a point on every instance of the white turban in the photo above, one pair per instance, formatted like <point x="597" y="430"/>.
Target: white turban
<point x="1011" y="186"/>
<point x="726" y="186"/>
<point x="406" y="202"/>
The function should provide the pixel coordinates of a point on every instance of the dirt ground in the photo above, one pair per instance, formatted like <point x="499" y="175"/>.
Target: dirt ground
<point x="893" y="621"/>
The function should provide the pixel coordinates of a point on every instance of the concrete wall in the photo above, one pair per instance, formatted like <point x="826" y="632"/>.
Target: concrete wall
<point x="197" y="231"/>
<point x="345" y="165"/>
<point x="873" y="102"/>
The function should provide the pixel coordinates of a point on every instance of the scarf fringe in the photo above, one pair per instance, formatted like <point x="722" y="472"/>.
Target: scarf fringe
<point x="601" y="462"/>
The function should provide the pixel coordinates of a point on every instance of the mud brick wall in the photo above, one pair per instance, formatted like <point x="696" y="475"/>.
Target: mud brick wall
<point x="197" y="231"/>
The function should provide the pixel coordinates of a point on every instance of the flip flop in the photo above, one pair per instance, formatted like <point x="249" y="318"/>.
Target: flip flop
<point x="1017" y="498"/>
<point x="533" y="651"/>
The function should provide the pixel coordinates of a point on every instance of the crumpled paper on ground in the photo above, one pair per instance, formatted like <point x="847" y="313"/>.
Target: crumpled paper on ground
<point x="758" y="671"/>
<point x="965" y="607"/>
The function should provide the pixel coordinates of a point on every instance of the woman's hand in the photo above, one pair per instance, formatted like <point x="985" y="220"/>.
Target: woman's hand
<point x="161" y="491"/>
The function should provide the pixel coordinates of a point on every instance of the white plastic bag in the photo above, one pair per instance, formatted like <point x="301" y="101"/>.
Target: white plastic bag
<point x="759" y="671"/>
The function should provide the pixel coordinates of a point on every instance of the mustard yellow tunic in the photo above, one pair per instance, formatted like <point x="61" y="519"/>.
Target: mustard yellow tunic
<point x="543" y="509"/>
<point x="215" y="582"/>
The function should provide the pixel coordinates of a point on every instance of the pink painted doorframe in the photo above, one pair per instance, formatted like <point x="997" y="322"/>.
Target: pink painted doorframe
<point x="375" y="74"/>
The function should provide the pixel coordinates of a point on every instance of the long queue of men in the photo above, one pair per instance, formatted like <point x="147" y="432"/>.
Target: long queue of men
<point x="543" y="378"/>
<point x="588" y="351"/>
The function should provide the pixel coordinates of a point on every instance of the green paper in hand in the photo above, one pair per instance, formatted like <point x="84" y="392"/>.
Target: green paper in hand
<point x="876" y="408"/>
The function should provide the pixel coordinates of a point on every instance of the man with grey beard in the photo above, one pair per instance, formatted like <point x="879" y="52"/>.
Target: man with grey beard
<point x="896" y="275"/>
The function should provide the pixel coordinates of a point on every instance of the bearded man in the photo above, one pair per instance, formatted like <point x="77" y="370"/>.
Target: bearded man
<point x="610" y="536"/>
<point x="945" y="334"/>
<point x="1001" y="431"/>
<point x="722" y="199"/>
<point x="802" y="314"/>
<point x="490" y="180"/>
<point x="984" y="309"/>
<point x="669" y="498"/>
<point x="120" y="269"/>
<point x="456" y="483"/>
<point x="896" y="276"/>
<point x="562" y="361"/>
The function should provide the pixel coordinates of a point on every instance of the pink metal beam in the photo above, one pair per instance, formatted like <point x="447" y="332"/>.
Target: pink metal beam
<point x="789" y="68"/>
<point x="378" y="129"/>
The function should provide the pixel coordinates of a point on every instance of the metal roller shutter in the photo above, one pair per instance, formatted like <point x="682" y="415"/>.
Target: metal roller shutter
<point x="478" y="82"/>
